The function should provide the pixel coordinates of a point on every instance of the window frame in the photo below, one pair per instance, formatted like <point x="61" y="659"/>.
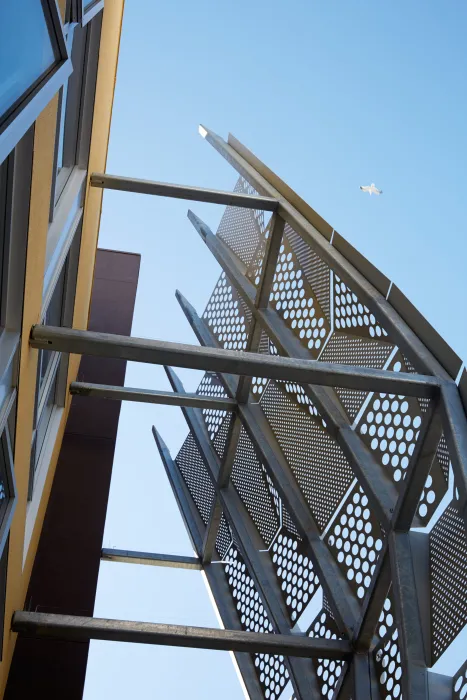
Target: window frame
<point x="23" y="113"/>
<point x="57" y="370"/>
<point x="76" y="119"/>
<point x="82" y="14"/>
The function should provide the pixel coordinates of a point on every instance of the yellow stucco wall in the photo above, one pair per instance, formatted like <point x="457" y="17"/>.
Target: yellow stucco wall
<point x="44" y="141"/>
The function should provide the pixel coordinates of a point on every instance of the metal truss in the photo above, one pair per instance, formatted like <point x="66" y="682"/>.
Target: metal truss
<point x="327" y="431"/>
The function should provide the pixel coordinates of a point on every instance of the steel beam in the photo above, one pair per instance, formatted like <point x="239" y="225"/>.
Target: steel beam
<point x="159" y="352"/>
<point x="415" y="672"/>
<point x="223" y="480"/>
<point x="79" y="629"/>
<point x="418" y="469"/>
<point x="249" y="543"/>
<point x="215" y="577"/>
<point x="455" y="432"/>
<point x="174" y="561"/>
<point x="199" y="194"/>
<point x="103" y="391"/>
<point x="364" y="637"/>
<point x="340" y="596"/>
<point x="398" y="330"/>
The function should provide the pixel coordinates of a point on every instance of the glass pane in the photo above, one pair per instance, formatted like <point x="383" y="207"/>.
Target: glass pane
<point x="53" y="317"/>
<point x="26" y="51"/>
<point x="44" y="418"/>
<point x="4" y="489"/>
<point x="61" y="128"/>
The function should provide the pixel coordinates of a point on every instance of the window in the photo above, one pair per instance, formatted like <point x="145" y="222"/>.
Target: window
<point x="52" y="367"/>
<point x="76" y="104"/>
<point x="33" y="65"/>
<point x="84" y="10"/>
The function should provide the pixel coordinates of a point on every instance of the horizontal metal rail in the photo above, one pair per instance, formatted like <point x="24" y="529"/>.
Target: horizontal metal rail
<point x="168" y="398"/>
<point x="198" y="194"/>
<point x="174" y="561"/>
<point x="230" y="361"/>
<point x="80" y="629"/>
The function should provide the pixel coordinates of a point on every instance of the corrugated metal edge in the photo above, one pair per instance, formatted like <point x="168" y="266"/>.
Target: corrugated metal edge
<point x="445" y="355"/>
<point x="300" y="205"/>
<point x="367" y="269"/>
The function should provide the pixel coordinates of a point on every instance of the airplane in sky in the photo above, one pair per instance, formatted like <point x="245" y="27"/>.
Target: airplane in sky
<point x="372" y="189"/>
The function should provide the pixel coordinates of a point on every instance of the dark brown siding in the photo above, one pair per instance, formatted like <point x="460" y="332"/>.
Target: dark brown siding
<point x="64" y="577"/>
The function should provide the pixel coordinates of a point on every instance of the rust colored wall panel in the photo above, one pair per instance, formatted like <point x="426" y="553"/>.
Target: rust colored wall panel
<point x="66" y="568"/>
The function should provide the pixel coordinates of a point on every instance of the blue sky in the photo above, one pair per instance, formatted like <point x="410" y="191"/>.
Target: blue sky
<point x="330" y="95"/>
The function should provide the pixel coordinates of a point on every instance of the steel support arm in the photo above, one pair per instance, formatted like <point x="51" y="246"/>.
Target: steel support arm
<point x="230" y="361"/>
<point x="79" y="629"/>
<point x="199" y="194"/>
<point x="124" y="393"/>
<point x="174" y="561"/>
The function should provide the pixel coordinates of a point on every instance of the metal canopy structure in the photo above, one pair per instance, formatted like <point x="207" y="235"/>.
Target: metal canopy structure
<point x="323" y="481"/>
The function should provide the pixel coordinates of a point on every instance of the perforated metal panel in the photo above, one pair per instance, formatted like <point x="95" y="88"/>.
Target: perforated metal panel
<point x="196" y="477"/>
<point x="316" y="460"/>
<point x="327" y="670"/>
<point x="333" y="325"/>
<point x="272" y="672"/>
<point x="448" y="574"/>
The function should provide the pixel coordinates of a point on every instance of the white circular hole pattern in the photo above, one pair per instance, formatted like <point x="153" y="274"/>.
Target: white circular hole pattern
<point x="460" y="683"/>
<point x="327" y="670"/>
<point x="225" y="317"/>
<point x="253" y="615"/>
<point x="389" y="669"/>
<point x="428" y="498"/>
<point x="294" y="569"/>
<point x="242" y="229"/>
<point x="298" y="393"/>
<point x="350" y="314"/>
<point x="272" y="673"/>
<point x="391" y="426"/>
<point x="355" y="540"/>
<point x="295" y="303"/>
<point x="386" y="619"/>
<point x="254" y="618"/>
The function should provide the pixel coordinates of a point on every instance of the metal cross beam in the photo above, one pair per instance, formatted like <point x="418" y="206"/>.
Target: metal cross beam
<point x="79" y="629"/>
<point x="123" y="393"/>
<point x="199" y="194"/>
<point x="174" y="561"/>
<point x="160" y="352"/>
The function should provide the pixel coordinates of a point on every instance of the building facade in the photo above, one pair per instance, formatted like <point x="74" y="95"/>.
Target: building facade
<point x="58" y="66"/>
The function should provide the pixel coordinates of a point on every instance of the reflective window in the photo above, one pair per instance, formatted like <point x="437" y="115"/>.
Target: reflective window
<point x="26" y="52"/>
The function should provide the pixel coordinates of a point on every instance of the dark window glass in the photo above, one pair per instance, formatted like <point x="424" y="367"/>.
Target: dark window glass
<point x="26" y="52"/>
<point x="44" y="418"/>
<point x="53" y="317"/>
<point x="4" y="486"/>
<point x="3" y="573"/>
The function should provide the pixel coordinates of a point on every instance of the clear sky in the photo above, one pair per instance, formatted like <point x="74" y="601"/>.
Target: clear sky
<point x="331" y="95"/>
